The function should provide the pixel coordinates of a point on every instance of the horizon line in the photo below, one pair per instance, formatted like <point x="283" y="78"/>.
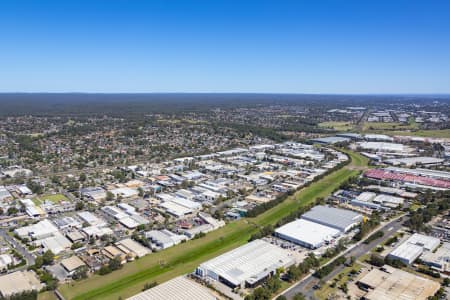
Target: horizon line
<point x="230" y="93"/>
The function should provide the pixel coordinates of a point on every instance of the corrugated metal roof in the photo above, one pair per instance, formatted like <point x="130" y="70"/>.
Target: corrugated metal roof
<point x="308" y="232"/>
<point x="248" y="261"/>
<point x="331" y="216"/>
<point x="179" y="288"/>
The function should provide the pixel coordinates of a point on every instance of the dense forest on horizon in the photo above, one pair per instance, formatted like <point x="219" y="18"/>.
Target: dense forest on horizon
<point x="13" y="104"/>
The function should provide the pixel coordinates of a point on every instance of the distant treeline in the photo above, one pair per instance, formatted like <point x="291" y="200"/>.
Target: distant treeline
<point x="138" y="104"/>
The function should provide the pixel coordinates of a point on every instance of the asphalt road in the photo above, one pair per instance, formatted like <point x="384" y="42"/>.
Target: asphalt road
<point x="18" y="246"/>
<point x="306" y="285"/>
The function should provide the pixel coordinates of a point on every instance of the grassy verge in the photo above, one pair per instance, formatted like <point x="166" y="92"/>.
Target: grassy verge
<point x="183" y="258"/>
<point x="444" y="133"/>
<point x="338" y="126"/>
<point x="327" y="290"/>
<point x="372" y="126"/>
<point x="358" y="160"/>
<point x="47" y="296"/>
<point x="56" y="198"/>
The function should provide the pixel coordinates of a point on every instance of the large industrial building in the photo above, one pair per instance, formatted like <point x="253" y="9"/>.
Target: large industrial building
<point x="331" y="140"/>
<point x="413" y="161"/>
<point x="18" y="282"/>
<point x="412" y="177"/>
<point x="385" y="147"/>
<point x="179" y="288"/>
<point x="439" y="259"/>
<point x="396" y="284"/>
<point x="414" y="247"/>
<point x="340" y="219"/>
<point x="247" y="265"/>
<point x="307" y="234"/>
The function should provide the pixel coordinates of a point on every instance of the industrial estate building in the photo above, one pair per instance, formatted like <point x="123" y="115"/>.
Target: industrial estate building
<point x="340" y="219"/>
<point x="389" y="147"/>
<point x="397" y="284"/>
<point x="413" y="161"/>
<point x="307" y="234"/>
<point x="414" y="247"/>
<point x="179" y="288"/>
<point x="247" y="265"/>
<point x="380" y="201"/>
<point x="331" y="140"/>
<point x="415" y="178"/>
<point x="18" y="282"/>
<point x="439" y="259"/>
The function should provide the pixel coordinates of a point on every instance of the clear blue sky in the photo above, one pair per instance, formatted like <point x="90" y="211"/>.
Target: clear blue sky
<point x="314" y="46"/>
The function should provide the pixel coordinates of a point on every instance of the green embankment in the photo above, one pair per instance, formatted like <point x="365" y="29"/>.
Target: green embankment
<point x="184" y="258"/>
<point x="443" y="133"/>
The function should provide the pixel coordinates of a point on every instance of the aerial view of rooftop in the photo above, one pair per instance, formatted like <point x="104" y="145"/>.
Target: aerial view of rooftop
<point x="224" y="150"/>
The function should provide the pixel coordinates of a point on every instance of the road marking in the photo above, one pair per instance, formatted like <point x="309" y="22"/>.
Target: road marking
<point x="390" y="229"/>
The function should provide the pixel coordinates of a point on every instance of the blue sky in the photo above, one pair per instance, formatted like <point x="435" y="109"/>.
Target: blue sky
<point x="315" y="46"/>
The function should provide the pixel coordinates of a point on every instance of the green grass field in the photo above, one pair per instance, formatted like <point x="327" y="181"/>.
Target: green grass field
<point x="56" y="198"/>
<point x="374" y="126"/>
<point x="47" y="296"/>
<point x="185" y="257"/>
<point x="410" y="129"/>
<point x="338" y="126"/>
<point x="444" y="133"/>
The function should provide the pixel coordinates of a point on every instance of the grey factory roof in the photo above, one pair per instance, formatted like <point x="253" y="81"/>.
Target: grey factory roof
<point x="179" y="288"/>
<point x="422" y="172"/>
<point x="331" y="140"/>
<point x="409" y="161"/>
<point x="338" y="218"/>
<point x="248" y="262"/>
<point x="350" y="135"/>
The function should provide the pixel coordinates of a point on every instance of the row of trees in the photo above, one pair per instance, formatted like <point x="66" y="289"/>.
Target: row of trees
<point x="367" y="226"/>
<point x="273" y="284"/>
<point x="266" y="290"/>
<point x="295" y="272"/>
<point x="112" y="265"/>
<point x="43" y="260"/>
<point x="25" y="295"/>
<point x="378" y="261"/>
<point x="436" y="204"/>
<point x="325" y="270"/>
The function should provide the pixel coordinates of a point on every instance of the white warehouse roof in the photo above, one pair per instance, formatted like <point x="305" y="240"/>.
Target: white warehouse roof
<point x="40" y="230"/>
<point x="248" y="263"/>
<point x="186" y="203"/>
<point x="406" y="252"/>
<point x="307" y="233"/>
<point x="388" y="200"/>
<point x="175" y="209"/>
<point x="90" y="218"/>
<point x="414" y="246"/>
<point x="366" y="196"/>
<point x="394" y="147"/>
<point x="428" y="243"/>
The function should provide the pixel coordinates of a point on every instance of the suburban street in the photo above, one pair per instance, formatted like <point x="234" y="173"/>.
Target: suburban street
<point x="305" y="286"/>
<point x="16" y="245"/>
